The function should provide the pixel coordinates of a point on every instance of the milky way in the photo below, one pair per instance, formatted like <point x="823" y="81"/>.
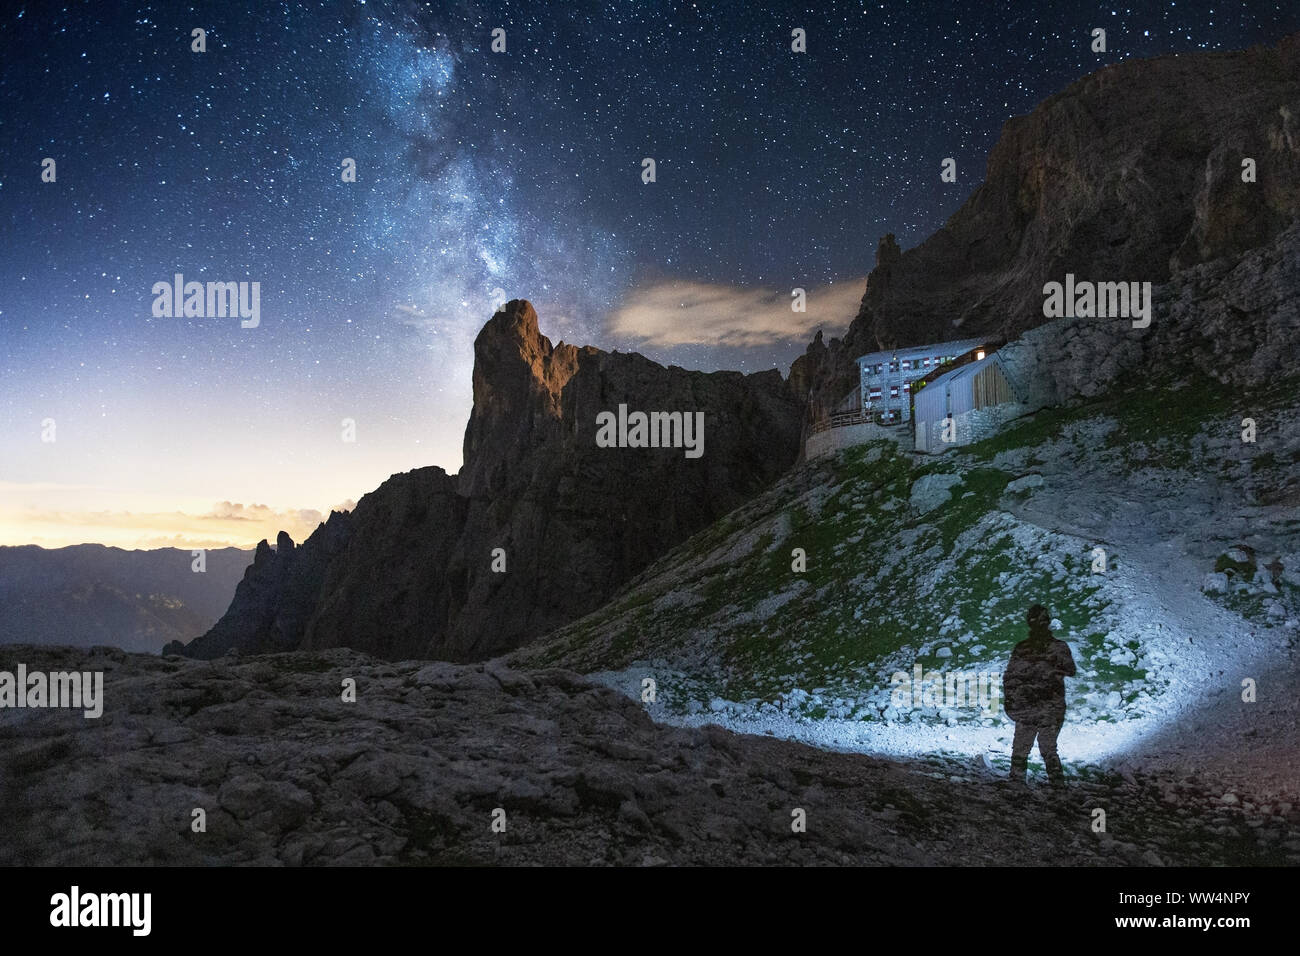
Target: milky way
<point x="480" y="175"/>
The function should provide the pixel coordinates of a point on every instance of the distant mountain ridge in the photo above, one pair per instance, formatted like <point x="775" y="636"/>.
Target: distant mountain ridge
<point x="89" y="594"/>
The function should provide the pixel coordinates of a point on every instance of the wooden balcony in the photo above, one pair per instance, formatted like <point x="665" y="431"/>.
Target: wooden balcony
<point x="852" y="418"/>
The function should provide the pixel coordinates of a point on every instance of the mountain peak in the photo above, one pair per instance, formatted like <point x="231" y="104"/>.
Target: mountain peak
<point x="541" y="525"/>
<point x="516" y="319"/>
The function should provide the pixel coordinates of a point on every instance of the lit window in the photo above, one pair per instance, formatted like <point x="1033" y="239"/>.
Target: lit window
<point x="979" y="356"/>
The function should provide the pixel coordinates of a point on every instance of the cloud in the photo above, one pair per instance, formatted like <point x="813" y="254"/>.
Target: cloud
<point x="227" y="524"/>
<point x="673" y="313"/>
<point x="184" y="542"/>
<point x="227" y="511"/>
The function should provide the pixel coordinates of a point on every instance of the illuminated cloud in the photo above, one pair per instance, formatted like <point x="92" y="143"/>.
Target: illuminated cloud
<point x="228" y="524"/>
<point x="675" y="313"/>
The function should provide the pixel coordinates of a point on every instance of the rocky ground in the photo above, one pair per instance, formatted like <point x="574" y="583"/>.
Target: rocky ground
<point x="288" y="773"/>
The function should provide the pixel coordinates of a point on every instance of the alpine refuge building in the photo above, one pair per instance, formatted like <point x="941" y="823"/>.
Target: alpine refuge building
<point x="965" y="404"/>
<point x="887" y="379"/>
<point x="934" y="397"/>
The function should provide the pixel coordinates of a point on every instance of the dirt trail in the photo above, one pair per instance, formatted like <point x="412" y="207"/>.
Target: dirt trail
<point x="1204" y="727"/>
<point x="1196" y="652"/>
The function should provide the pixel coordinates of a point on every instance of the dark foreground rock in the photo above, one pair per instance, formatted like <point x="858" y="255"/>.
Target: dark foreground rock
<point x="412" y="772"/>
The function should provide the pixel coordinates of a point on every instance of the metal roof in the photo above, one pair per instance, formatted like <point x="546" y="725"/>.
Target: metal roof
<point x="934" y="348"/>
<point x="949" y="377"/>
<point x="970" y="368"/>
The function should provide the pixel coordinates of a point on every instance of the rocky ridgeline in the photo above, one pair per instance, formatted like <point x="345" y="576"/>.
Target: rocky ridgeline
<point x="1131" y="174"/>
<point x="287" y="773"/>
<point x="408" y="573"/>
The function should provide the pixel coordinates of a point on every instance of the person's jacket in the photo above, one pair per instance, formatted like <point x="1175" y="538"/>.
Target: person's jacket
<point x="1033" y="685"/>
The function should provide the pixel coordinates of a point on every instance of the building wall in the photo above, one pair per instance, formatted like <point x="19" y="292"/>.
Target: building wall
<point x="924" y="361"/>
<point x="990" y="387"/>
<point x="833" y="439"/>
<point x="1013" y="385"/>
<point x="931" y="406"/>
<point x="982" y="423"/>
<point x="970" y="426"/>
<point x="887" y="380"/>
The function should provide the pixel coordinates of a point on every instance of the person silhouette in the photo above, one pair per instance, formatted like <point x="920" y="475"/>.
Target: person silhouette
<point x="1033" y="695"/>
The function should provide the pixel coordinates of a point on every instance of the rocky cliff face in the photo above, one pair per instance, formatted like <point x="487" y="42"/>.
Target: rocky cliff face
<point x="409" y="572"/>
<point x="276" y="597"/>
<point x="1236" y="320"/>
<point x="1131" y="174"/>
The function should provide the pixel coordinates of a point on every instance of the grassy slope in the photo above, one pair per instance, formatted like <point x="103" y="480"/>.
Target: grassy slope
<point x="887" y="587"/>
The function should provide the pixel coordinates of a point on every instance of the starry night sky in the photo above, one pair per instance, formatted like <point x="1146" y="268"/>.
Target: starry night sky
<point x="476" y="171"/>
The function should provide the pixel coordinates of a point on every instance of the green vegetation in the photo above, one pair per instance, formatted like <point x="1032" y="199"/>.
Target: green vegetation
<point x="1031" y="431"/>
<point x="886" y="587"/>
<point x="1243" y="569"/>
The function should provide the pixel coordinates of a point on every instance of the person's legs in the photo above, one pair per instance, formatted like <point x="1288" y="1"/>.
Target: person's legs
<point x="1021" y="743"/>
<point x="1047" y="733"/>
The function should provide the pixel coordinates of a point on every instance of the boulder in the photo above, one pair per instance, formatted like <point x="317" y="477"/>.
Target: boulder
<point x="931" y="491"/>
